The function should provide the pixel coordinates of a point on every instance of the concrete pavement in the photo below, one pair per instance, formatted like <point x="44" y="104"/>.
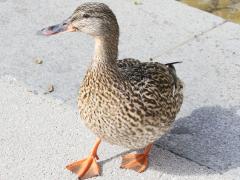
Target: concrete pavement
<point x="147" y="30"/>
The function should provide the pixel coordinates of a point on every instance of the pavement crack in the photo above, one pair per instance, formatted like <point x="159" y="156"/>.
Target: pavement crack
<point x="179" y="155"/>
<point x="190" y="39"/>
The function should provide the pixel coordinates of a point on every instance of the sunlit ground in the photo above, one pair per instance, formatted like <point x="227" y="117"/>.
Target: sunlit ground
<point x="228" y="9"/>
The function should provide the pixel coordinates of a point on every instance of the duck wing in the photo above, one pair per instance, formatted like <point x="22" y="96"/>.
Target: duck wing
<point x="157" y="84"/>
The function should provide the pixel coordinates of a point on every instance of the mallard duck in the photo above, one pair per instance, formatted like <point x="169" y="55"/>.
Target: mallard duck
<point x="124" y="102"/>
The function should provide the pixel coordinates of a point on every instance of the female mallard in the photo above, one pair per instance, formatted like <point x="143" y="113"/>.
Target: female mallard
<point x="124" y="102"/>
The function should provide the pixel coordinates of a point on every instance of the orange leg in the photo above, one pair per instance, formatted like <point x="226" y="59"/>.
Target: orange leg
<point x="137" y="162"/>
<point x="87" y="167"/>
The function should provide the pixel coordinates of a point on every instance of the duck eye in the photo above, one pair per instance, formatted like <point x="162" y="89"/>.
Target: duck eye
<point x="85" y="15"/>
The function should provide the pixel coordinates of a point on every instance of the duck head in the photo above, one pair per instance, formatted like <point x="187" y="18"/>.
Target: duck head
<point x="95" y="19"/>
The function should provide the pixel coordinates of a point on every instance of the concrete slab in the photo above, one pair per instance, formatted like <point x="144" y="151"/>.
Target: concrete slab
<point x="40" y="135"/>
<point x="208" y="127"/>
<point x="147" y="30"/>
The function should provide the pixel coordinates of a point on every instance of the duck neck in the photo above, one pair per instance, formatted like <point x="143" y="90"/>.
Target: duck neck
<point x="106" y="50"/>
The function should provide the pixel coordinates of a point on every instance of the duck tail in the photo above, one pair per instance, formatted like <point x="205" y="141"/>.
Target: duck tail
<point x="176" y="62"/>
<point x="172" y="71"/>
<point x="170" y="65"/>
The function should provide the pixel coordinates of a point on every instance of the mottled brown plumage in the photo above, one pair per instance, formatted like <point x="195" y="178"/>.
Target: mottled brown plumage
<point x="124" y="102"/>
<point x="131" y="103"/>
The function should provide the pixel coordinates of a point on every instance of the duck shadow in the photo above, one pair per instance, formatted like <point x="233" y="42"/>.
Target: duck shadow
<point x="210" y="137"/>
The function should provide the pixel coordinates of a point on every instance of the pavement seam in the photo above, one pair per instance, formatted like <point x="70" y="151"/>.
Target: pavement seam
<point x="179" y="155"/>
<point x="190" y="39"/>
<point x="153" y="15"/>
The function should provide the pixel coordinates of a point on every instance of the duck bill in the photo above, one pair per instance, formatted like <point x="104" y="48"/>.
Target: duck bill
<point x="65" y="26"/>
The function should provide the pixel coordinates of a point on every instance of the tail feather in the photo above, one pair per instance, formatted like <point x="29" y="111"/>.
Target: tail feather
<point x="173" y="71"/>
<point x="176" y="62"/>
<point x="170" y="65"/>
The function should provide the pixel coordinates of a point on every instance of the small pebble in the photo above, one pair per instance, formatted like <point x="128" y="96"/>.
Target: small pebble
<point x="50" y="89"/>
<point x="38" y="61"/>
<point x="137" y="2"/>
